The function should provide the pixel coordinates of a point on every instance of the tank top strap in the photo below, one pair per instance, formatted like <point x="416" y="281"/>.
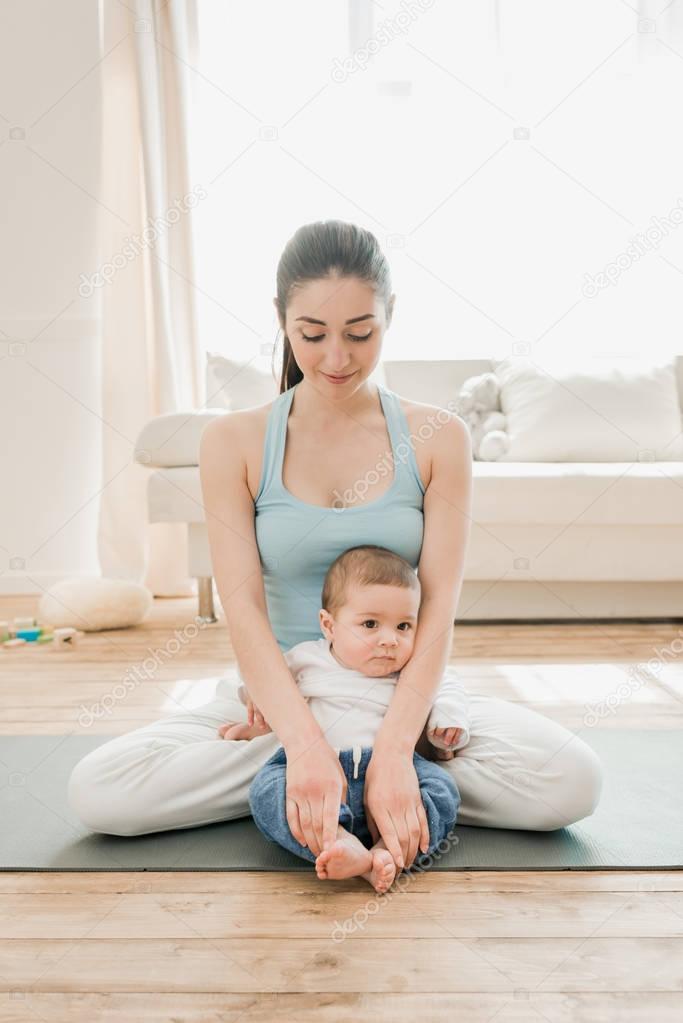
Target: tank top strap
<point x="401" y="439"/>
<point x="274" y="443"/>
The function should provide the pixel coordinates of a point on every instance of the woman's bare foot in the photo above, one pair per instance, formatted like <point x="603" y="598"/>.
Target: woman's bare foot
<point x="347" y="857"/>
<point x="241" y="730"/>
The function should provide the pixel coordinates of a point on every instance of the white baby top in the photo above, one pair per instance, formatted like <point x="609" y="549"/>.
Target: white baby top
<point x="350" y="706"/>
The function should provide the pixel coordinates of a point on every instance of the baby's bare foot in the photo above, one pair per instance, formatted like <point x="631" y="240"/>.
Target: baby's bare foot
<point x="383" y="871"/>
<point x="343" y="859"/>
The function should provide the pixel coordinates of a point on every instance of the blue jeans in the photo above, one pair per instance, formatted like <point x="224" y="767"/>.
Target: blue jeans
<point x="440" y="797"/>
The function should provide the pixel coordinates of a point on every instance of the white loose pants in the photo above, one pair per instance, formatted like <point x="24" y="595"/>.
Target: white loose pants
<point x="518" y="770"/>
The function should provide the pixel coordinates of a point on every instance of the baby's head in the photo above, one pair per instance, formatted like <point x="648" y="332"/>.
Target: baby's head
<point x="370" y="599"/>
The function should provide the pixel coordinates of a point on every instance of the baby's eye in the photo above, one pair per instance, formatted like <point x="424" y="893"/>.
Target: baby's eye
<point x="372" y="621"/>
<point x="407" y="626"/>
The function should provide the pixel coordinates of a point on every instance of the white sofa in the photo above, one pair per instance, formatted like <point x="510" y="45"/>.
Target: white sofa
<point x="549" y="540"/>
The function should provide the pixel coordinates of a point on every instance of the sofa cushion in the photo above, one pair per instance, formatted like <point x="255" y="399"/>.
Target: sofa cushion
<point x="588" y="493"/>
<point x="623" y="412"/>
<point x="173" y="439"/>
<point x="234" y="385"/>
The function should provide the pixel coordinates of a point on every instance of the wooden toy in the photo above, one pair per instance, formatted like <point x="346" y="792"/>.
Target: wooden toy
<point x="24" y="623"/>
<point x="66" y="637"/>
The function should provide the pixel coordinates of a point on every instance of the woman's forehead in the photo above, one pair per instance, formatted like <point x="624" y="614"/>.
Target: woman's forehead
<point x="333" y="299"/>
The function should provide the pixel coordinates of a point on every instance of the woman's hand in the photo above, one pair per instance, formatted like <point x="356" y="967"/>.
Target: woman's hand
<point x="394" y="807"/>
<point x="316" y="786"/>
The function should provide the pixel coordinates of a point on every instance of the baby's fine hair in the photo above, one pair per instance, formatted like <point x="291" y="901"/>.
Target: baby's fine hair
<point x="365" y="565"/>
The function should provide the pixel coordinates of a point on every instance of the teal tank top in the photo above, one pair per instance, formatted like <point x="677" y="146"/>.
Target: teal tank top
<point x="298" y="542"/>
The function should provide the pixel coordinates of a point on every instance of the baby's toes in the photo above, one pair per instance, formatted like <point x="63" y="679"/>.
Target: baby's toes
<point x="321" y="864"/>
<point x="383" y="870"/>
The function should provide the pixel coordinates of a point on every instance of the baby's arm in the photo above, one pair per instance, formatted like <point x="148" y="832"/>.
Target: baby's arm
<point x="451" y="709"/>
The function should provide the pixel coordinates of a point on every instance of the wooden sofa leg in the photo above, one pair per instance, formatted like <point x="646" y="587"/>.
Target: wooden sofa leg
<point x="205" y="593"/>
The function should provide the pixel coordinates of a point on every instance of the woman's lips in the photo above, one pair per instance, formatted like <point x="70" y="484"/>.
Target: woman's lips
<point x="339" y="380"/>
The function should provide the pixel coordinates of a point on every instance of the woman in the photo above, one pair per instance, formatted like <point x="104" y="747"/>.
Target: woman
<point x="333" y="462"/>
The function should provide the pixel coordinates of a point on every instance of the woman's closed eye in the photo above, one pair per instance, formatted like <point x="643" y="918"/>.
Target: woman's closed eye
<point x="352" y="337"/>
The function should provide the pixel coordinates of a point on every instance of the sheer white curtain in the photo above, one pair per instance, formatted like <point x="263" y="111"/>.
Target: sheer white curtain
<point x="151" y="361"/>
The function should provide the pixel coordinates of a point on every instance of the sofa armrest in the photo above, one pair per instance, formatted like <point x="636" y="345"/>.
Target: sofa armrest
<point x="172" y="440"/>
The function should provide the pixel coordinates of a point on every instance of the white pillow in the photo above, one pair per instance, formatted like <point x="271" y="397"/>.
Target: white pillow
<point x="565" y="412"/>
<point x="236" y="385"/>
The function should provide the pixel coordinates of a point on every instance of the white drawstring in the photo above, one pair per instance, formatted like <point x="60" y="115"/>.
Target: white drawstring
<point x="357" y="754"/>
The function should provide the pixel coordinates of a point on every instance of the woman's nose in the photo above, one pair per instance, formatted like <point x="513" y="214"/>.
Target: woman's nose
<point x="338" y="357"/>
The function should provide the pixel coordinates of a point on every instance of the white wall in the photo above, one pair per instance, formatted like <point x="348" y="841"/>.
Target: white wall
<point x="49" y="343"/>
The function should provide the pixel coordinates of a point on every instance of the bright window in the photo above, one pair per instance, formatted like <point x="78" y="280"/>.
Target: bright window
<point x="504" y="154"/>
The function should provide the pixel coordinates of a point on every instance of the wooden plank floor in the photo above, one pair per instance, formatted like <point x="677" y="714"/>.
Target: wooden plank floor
<point x="198" y="947"/>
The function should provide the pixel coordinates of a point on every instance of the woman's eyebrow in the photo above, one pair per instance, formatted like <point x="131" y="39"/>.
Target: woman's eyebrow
<point x="356" y="319"/>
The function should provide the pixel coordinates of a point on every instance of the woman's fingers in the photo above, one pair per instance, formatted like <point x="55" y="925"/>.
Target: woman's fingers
<point x="390" y="837"/>
<point x="318" y="824"/>
<point x="424" y="828"/>
<point x="403" y="836"/>
<point x="372" y="827"/>
<point x="305" y="816"/>
<point x="293" y="820"/>
<point x="250" y="712"/>
<point x="330" y="819"/>
<point x="315" y="782"/>
<point x="413" y="826"/>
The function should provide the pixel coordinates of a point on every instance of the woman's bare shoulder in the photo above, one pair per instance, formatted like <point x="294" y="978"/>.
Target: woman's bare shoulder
<point x="438" y="435"/>
<point x="420" y="413"/>
<point x="236" y="438"/>
<point x="238" y="423"/>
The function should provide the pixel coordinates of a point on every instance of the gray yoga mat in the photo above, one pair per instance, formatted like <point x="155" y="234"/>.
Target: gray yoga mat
<point x="638" y="824"/>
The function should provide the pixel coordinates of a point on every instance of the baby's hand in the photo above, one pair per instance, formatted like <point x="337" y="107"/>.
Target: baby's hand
<point x="240" y="730"/>
<point x="256" y="725"/>
<point x="445" y="737"/>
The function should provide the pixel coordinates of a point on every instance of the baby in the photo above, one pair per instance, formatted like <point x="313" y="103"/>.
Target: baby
<point x="371" y="599"/>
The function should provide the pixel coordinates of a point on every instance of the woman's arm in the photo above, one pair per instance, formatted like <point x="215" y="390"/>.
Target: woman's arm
<point x="314" y="773"/>
<point x="447" y="520"/>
